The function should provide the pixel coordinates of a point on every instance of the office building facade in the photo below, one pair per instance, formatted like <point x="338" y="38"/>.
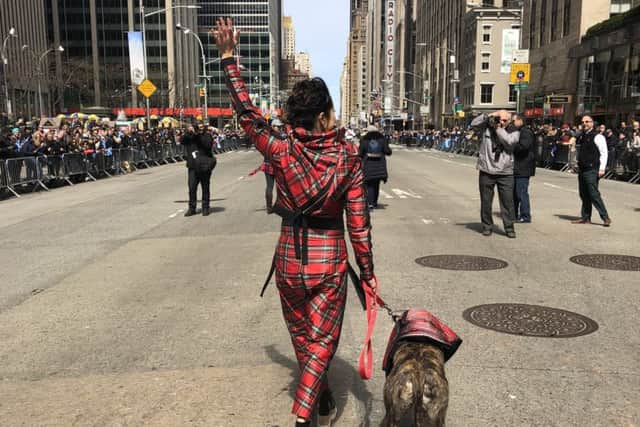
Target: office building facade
<point x="260" y="48"/>
<point x="288" y="38"/>
<point x="551" y="30"/>
<point x="20" y="71"/>
<point x="94" y="67"/>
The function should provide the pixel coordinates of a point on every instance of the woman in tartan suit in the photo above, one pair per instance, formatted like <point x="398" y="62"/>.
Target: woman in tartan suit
<point x="319" y="177"/>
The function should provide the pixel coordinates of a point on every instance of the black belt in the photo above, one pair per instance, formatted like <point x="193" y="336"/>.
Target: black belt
<point x="302" y="223"/>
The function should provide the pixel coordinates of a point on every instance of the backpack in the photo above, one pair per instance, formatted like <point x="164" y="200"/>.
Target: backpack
<point x="375" y="148"/>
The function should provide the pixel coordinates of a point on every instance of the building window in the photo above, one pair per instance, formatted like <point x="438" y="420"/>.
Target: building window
<point x="621" y="6"/>
<point x="486" y="94"/>
<point x="485" y="65"/>
<point x="554" y="20"/>
<point x="532" y="24"/>
<point x="543" y="23"/>
<point x="486" y="34"/>
<point x="566" y="18"/>
<point x="513" y="94"/>
<point x="488" y="2"/>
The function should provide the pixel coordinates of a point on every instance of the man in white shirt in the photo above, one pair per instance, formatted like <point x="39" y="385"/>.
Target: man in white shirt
<point x="592" y="161"/>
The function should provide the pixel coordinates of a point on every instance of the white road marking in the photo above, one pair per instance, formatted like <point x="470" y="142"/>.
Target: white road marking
<point x="427" y="221"/>
<point x="445" y="220"/>
<point x="404" y="194"/>
<point x="241" y="178"/>
<point x="557" y="187"/>
<point x="173" y="215"/>
<point x="385" y="194"/>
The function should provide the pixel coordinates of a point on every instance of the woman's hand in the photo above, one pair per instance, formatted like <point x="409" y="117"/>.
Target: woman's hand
<point x="226" y="38"/>
<point x="372" y="284"/>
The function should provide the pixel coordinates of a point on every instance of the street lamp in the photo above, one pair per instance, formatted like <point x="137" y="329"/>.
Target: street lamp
<point x="187" y="31"/>
<point x="5" y="61"/>
<point x="144" y="16"/>
<point x="40" y="73"/>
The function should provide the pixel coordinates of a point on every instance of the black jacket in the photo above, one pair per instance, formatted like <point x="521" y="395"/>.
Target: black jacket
<point x="524" y="154"/>
<point x="197" y="145"/>
<point x="374" y="168"/>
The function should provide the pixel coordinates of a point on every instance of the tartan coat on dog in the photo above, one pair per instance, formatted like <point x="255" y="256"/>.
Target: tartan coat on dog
<point x="312" y="287"/>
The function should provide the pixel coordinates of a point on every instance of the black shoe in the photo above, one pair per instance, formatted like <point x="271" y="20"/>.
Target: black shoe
<point x="487" y="232"/>
<point x="205" y="211"/>
<point x="511" y="234"/>
<point x="303" y="423"/>
<point x="326" y="409"/>
<point x="524" y="221"/>
<point x="190" y="212"/>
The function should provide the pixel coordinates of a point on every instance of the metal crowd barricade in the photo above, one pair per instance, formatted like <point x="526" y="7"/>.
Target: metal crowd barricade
<point x="23" y="171"/>
<point x="167" y="153"/>
<point x="99" y="164"/>
<point x="179" y="151"/>
<point x="561" y="158"/>
<point x="634" y="167"/>
<point x="4" y="178"/>
<point x="154" y="152"/>
<point x="123" y="160"/>
<point x="140" y="157"/>
<point x="51" y="168"/>
<point x="75" y="164"/>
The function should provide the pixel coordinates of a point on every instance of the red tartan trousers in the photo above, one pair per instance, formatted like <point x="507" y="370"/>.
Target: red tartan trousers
<point x="313" y="299"/>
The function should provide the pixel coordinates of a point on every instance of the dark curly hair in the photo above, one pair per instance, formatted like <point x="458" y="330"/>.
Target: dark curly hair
<point x="308" y="99"/>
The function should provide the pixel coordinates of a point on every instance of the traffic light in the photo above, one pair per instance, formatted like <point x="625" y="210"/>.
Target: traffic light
<point x="201" y="91"/>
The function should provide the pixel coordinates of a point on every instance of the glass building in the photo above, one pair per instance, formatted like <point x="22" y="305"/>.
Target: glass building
<point x="94" y="67"/>
<point x="609" y="69"/>
<point x="260" y="23"/>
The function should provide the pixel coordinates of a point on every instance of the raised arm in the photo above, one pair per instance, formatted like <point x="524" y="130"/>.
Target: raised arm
<point x="254" y="124"/>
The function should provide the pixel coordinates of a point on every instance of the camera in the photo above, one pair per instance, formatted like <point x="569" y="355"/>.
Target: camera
<point x="493" y="121"/>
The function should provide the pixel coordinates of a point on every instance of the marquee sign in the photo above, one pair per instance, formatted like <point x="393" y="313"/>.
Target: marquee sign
<point x="389" y="52"/>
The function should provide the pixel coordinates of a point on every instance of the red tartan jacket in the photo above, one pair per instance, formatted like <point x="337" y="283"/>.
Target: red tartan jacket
<point x="304" y="163"/>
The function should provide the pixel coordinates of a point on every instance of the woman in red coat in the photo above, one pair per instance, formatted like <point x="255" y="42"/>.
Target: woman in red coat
<point x="319" y="178"/>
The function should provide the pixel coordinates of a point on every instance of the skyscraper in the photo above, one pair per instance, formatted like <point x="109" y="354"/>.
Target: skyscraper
<point x="303" y="63"/>
<point x="260" y="23"/>
<point x="20" y="69"/>
<point x="288" y="38"/>
<point x="94" y="67"/>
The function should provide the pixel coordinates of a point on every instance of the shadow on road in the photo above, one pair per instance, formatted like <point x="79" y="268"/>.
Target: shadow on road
<point x="339" y="369"/>
<point x="478" y="227"/>
<point x="567" y="217"/>
<point x="199" y="201"/>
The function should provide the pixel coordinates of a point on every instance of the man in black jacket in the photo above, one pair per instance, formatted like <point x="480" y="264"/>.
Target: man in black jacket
<point x="524" y="167"/>
<point x="373" y="150"/>
<point x="200" y="162"/>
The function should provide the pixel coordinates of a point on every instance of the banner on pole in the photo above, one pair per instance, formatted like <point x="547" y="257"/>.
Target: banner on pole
<point x="136" y="57"/>
<point x="510" y="43"/>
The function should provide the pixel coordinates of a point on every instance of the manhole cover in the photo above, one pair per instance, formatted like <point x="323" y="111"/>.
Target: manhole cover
<point x="530" y="320"/>
<point x="608" y="262"/>
<point x="462" y="262"/>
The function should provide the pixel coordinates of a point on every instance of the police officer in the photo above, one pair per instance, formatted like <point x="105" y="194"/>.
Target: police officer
<point x="200" y="162"/>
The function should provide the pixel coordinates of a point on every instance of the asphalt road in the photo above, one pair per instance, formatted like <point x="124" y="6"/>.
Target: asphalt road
<point x="115" y="310"/>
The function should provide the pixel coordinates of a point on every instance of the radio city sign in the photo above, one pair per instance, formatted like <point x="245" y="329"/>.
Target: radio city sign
<point x="391" y="37"/>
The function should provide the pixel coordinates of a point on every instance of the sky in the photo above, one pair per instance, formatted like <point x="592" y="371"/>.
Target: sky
<point x="322" y="28"/>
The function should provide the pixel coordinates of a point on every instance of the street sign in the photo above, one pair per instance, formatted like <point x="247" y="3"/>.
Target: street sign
<point x="521" y="56"/>
<point x="521" y="86"/>
<point x="559" y="99"/>
<point x="520" y="73"/>
<point x="424" y="110"/>
<point x="147" y="88"/>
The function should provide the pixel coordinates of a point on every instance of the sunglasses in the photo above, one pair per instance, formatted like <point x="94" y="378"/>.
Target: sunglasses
<point x="587" y="121"/>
